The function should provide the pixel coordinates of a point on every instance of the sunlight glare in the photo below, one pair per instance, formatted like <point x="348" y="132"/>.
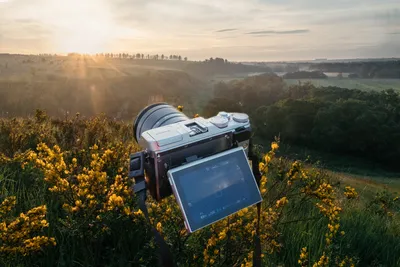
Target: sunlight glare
<point x="84" y="26"/>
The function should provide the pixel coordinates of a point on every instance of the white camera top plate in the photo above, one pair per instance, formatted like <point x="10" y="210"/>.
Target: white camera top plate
<point x="179" y="134"/>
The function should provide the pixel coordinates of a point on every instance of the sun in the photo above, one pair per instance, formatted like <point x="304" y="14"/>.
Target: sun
<point x="82" y="26"/>
<point x="83" y="41"/>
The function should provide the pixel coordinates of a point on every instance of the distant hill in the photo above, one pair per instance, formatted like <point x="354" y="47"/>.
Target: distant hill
<point x="121" y="96"/>
<point x="200" y="69"/>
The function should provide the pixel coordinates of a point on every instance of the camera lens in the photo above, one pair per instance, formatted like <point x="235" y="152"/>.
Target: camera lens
<point x="154" y="116"/>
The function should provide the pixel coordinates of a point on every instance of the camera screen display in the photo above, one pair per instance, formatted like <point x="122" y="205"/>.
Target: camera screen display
<point x="210" y="189"/>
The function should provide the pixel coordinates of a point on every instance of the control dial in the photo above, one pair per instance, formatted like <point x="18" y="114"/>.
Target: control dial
<point x="240" y="117"/>
<point x="219" y="121"/>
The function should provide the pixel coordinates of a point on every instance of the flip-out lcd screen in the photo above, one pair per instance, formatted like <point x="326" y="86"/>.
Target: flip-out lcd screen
<point x="212" y="188"/>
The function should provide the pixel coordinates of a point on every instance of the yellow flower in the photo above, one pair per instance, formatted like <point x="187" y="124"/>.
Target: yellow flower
<point x="159" y="227"/>
<point x="267" y="158"/>
<point x="222" y="235"/>
<point x="261" y="166"/>
<point x="281" y="202"/>
<point x="274" y="146"/>
<point x="350" y="192"/>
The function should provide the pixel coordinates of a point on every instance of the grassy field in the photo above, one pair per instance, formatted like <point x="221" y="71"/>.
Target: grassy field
<point x="361" y="84"/>
<point x="79" y="172"/>
<point x="97" y="229"/>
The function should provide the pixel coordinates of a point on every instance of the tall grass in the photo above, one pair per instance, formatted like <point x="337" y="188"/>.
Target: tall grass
<point x="119" y="235"/>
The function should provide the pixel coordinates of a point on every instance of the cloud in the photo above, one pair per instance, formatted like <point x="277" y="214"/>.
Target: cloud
<point x="226" y="30"/>
<point x="279" y="32"/>
<point x="200" y="29"/>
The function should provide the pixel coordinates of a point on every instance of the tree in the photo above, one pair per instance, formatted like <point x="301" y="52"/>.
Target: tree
<point x="170" y="56"/>
<point x="138" y="56"/>
<point x="162" y="57"/>
<point x="179" y="57"/>
<point x="185" y="58"/>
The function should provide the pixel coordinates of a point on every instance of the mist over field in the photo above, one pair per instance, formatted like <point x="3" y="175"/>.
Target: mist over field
<point x="320" y="82"/>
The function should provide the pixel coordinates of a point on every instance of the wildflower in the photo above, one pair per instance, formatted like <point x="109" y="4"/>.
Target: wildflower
<point x="281" y="202"/>
<point x="267" y="158"/>
<point x="261" y="166"/>
<point x="222" y="235"/>
<point x="159" y="227"/>
<point x="138" y="213"/>
<point x="303" y="257"/>
<point x="274" y="146"/>
<point x="17" y="236"/>
<point x="350" y="192"/>
<point x="7" y="205"/>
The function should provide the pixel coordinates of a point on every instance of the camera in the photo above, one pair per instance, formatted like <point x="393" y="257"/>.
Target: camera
<point x="203" y="162"/>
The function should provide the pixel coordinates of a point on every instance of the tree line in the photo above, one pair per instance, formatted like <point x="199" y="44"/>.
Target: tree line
<point x="368" y="69"/>
<point x="131" y="56"/>
<point x="328" y="119"/>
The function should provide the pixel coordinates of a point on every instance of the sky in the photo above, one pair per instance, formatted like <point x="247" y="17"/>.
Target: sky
<point x="239" y="30"/>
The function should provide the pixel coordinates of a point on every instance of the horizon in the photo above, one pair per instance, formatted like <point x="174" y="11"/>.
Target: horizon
<point x="252" y="30"/>
<point x="316" y="60"/>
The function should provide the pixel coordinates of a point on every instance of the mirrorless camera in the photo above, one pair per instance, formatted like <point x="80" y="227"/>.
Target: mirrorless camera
<point x="203" y="162"/>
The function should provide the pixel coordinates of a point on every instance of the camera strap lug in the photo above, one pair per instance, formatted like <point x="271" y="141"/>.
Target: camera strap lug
<point x="136" y="171"/>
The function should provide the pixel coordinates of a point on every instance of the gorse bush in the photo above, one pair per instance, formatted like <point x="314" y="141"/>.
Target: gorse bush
<point x="71" y="176"/>
<point x="17" y="235"/>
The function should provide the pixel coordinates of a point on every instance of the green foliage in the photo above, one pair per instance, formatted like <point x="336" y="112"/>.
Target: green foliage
<point x="330" y="119"/>
<point x="305" y="75"/>
<point x="368" y="69"/>
<point x="121" y="237"/>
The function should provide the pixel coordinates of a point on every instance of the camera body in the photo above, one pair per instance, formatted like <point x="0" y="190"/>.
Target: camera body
<point x="174" y="145"/>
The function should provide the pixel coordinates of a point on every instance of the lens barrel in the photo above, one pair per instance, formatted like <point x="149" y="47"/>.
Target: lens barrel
<point x="154" y="116"/>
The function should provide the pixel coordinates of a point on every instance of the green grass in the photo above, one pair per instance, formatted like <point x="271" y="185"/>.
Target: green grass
<point x="361" y="84"/>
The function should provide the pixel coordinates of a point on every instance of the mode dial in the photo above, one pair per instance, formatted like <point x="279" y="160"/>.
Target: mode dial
<point x="219" y="121"/>
<point x="240" y="117"/>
